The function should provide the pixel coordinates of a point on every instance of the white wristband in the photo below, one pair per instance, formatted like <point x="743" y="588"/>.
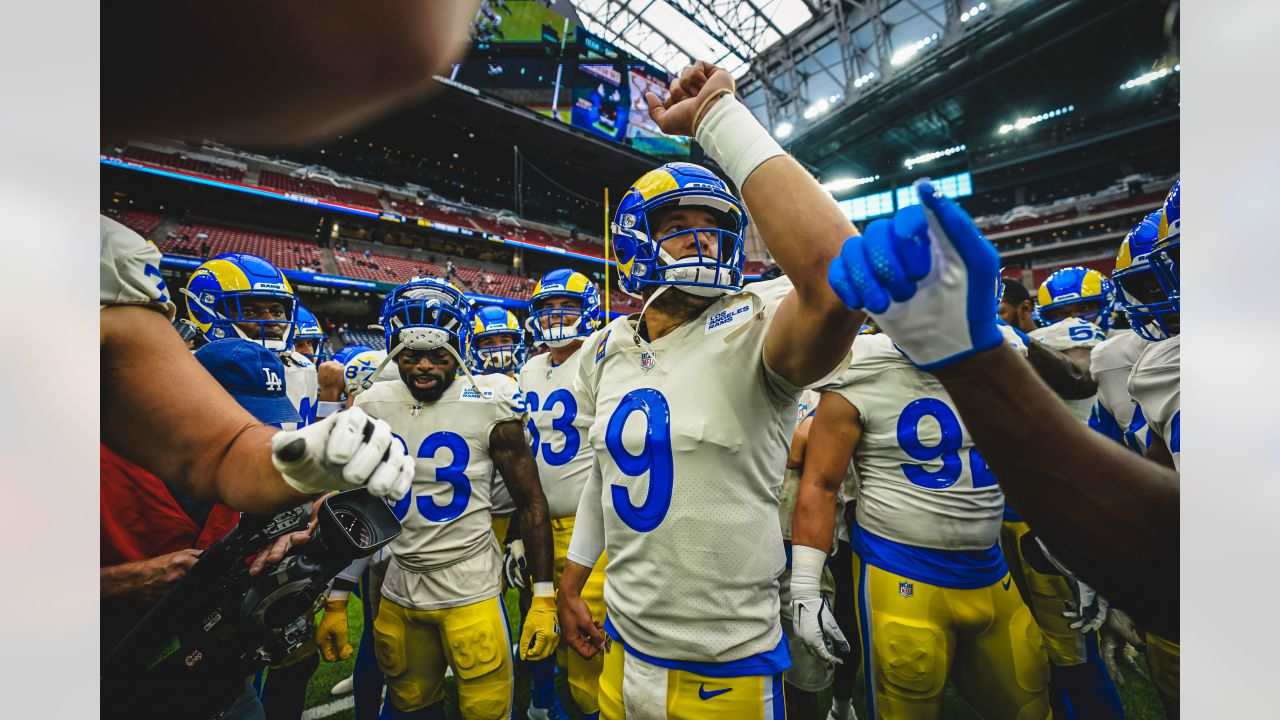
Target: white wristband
<point x="733" y="137"/>
<point x="325" y="408"/>
<point x="335" y="595"/>
<point x="544" y="589"/>
<point x="806" y="572"/>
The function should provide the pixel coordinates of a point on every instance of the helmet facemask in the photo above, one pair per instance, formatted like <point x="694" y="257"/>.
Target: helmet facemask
<point x="557" y="326"/>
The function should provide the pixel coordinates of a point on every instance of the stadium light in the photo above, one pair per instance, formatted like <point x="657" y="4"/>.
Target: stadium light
<point x="864" y="79"/>
<point x="973" y="12"/>
<point x="783" y="130"/>
<point x="1023" y="123"/>
<point x="1149" y="77"/>
<point x="842" y="184"/>
<point x="931" y="156"/>
<point x="901" y="57"/>
<point x="817" y="108"/>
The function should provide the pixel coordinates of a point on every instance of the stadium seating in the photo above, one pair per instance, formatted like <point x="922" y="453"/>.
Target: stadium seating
<point x="352" y="336"/>
<point x="283" y="252"/>
<point x="140" y="221"/>
<point x="180" y="162"/>
<point x="288" y="183"/>
<point x="383" y="268"/>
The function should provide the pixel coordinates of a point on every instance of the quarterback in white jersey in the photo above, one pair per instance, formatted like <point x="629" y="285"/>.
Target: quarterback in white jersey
<point x="934" y="595"/>
<point x="441" y="604"/>
<point x="693" y="403"/>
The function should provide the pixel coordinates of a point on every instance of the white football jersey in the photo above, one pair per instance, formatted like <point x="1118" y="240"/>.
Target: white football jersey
<point x="1071" y="333"/>
<point x="302" y="385"/>
<point x="921" y="480"/>
<point x="691" y="433"/>
<point x="446" y="516"/>
<point x="1154" y="384"/>
<point x="1111" y="362"/>
<point x="129" y="270"/>
<point x="558" y="429"/>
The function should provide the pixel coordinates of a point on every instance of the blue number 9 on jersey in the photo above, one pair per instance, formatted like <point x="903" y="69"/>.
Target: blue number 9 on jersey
<point x="947" y="450"/>
<point x="654" y="458"/>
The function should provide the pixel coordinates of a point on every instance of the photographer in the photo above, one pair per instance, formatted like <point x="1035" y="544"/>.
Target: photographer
<point x="153" y="534"/>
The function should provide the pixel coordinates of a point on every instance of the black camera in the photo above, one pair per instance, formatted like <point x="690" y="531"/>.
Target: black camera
<point x="190" y="655"/>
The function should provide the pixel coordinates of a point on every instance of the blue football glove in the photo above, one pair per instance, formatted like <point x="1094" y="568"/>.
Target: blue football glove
<point x="927" y="277"/>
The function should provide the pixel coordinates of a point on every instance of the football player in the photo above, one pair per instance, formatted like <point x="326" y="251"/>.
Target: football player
<point x="1110" y="362"/>
<point x="441" y="605"/>
<point x="309" y="338"/>
<point x="1067" y="376"/>
<point x="1150" y="291"/>
<point x="1108" y="514"/>
<point x="934" y="594"/>
<point x="236" y="294"/>
<point x="497" y="346"/>
<point x="693" y="403"/>
<point x="1073" y="309"/>
<point x="563" y="311"/>
<point x="810" y="673"/>
<point x="497" y="341"/>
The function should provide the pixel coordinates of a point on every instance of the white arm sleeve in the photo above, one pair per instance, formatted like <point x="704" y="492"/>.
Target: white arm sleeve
<point x="588" y="527"/>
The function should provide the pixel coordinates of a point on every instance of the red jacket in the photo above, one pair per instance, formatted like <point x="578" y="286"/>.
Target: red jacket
<point x="141" y="519"/>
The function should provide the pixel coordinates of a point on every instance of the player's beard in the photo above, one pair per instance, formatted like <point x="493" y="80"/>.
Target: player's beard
<point x="680" y="304"/>
<point x="430" y="394"/>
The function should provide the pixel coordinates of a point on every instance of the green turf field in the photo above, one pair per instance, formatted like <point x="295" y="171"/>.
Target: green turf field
<point x="1139" y="696"/>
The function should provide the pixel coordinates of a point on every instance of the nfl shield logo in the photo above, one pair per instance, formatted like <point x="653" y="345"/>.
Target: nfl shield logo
<point x="647" y="361"/>
<point x="906" y="589"/>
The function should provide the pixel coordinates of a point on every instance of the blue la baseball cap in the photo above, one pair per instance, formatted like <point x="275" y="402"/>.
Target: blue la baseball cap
<point x="253" y="375"/>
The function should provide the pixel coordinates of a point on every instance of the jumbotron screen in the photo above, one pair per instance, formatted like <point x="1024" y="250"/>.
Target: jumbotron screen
<point x="531" y="56"/>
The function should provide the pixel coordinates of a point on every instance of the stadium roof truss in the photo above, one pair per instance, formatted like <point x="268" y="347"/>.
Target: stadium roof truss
<point x="847" y="49"/>
<point x="672" y="33"/>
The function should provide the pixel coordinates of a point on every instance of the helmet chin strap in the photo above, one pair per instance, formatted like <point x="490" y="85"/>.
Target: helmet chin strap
<point x="264" y="343"/>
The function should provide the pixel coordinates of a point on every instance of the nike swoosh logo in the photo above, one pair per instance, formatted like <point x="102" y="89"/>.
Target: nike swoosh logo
<point x="706" y="694"/>
<point x="1006" y="582"/>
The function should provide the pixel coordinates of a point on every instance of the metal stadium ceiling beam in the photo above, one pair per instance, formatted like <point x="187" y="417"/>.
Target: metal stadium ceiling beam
<point x="728" y="32"/>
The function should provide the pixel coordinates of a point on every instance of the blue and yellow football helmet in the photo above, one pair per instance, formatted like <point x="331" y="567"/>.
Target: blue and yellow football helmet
<point x="307" y="327"/>
<point x="359" y="369"/>
<point x="434" y="311"/>
<point x="1146" y="280"/>
<point x="348" y="352"/>
<point x="559" y="326"/>
<point x="494" y="321"/>
<point x="1074" y="292"/>
<point x="219" y="295"/>
<point x="644" y="260"/>
<point x="1168" y="248"/>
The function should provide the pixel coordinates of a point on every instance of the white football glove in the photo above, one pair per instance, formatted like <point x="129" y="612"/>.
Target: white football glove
<point x="811" y="616"/>
<point x="1088" y="611"/>
<point x="346" y="450"/>
<point x="928" y="277"/>
<point x="513" y="564"/>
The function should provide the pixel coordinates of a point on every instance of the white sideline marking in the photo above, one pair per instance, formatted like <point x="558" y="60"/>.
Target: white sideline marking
<point x="328" y="709"/>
